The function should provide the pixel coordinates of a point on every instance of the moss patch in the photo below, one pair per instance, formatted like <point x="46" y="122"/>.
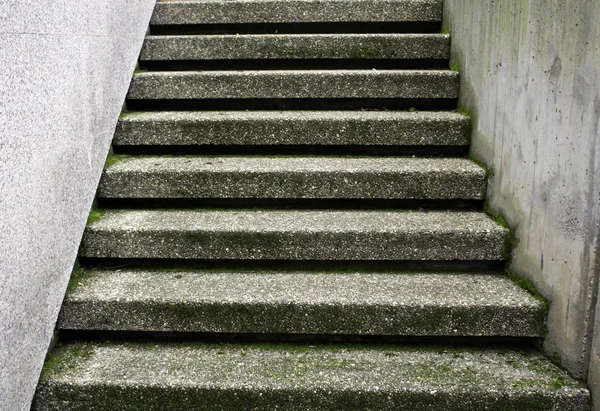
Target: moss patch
<point x="465" y="112"/>
<point x="77" y="275"/>
<point x="530" y="288"/>
<point x="496" y="216"/>
<point x="63" y="359"/>
<point x="481" y="164"/>
<point x="511" y="238"/>
<point x="113" y="158"/>
<point x="94" y="216"/>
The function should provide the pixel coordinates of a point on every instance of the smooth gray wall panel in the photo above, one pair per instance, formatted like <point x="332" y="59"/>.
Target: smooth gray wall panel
<point x="530" y="72"/>
<point x="65" y="68"/>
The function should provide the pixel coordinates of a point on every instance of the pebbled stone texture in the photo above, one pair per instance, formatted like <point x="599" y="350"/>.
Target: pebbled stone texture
<point x="294" y="11"/>
<point x="295" y="84"/>
<point x="98" y="377"/>
<point x="297" y="46"/>
<point x="296" y="235"/>
<point x="448" y="304"/>
<point x="292" y="128"/>
<point x="293" y="177"/>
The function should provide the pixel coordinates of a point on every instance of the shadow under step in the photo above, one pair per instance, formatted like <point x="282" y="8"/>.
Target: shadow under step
<point x="113" y="376"/>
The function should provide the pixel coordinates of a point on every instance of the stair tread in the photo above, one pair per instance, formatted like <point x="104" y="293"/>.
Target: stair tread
<point x="259" y="84"/>
<point x="294" y="11"/>
<point x="296" y="46"/>
<point x="295" y="235"/>
<point x="292" y="128"/>
<point x="293" y="177"/>
<point x="413" y="304"/>
<point x="100" y="376"/>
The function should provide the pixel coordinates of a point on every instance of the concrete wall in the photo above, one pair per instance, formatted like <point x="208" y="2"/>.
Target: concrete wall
<point x="531" y="76"/>
<point x="64" y="70"/>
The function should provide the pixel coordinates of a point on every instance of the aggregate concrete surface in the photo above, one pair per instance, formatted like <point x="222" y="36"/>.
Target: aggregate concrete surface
<point x="293" y="177"/>
<point x="233" y="377"/>
<point x="297" y="46"/>
<point x="411" y="304"/>
<point x="408" y="84"/>
<point x="294" y="11"/>
<point x="296" y="235"/>
<point x="293" y="128"/>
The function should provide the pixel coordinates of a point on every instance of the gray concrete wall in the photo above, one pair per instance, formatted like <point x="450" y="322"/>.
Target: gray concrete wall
<point x="531" y="76"/>
<point x="64" y="70"/>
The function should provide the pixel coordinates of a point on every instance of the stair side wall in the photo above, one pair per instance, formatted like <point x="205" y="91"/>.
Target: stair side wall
<point x="530" y="76"/>
<point x="65" y="68"/>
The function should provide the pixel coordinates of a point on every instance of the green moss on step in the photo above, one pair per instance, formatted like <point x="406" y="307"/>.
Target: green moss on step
<point x="63" y="359"/>
<point x="369" y="52"/>
<point x="555" y="359"/>
<point x="511" y="238"/>
<point x="113" y="158"/>
<point x="465" y="112"/>
<point x="445" y="28"/>
<point x="94" y="216"/>
<point x="496" y="216"/>
<point x="77" y="275"/>
<point x="530" y="288"/>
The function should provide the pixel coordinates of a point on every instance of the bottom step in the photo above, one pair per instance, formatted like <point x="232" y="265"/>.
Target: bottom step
<point x="197" y="376"/>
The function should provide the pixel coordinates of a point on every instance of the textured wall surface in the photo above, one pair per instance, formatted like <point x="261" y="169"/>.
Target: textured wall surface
<point x="531" y="76"/>
<point x="64" y="70"/>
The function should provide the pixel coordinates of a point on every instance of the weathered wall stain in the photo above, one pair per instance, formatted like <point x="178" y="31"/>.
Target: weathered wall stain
<point x="530" y="74"/>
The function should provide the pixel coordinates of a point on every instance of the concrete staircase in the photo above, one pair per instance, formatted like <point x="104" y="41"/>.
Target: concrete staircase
<point x="291" y="221"/>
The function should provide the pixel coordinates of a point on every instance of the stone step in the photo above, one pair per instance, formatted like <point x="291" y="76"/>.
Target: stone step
<point x="361" y="303"/>
<point x="196" y="376"/>
<point x="293" y="177"/>
<point x="296" y="46"/>
<point x="294" y="84"/>
<point x="295" y="235"/>
<point x="383" y="128"/>
<point x="294" y="11"/>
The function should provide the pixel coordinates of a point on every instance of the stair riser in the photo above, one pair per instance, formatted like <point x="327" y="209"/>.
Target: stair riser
<point x="95" y="397"/>
<point x="265" y="185"/>
<point x="304" y="128"/>
<point x="290" y="318"/>
<point x="294" y="11"/>
<point x="323" y="245"/>
<point x="338" y="84"/>
<point x="292" y="47"/>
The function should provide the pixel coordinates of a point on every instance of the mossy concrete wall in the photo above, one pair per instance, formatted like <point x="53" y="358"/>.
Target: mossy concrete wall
<point x="65" y="67"/>
<point x="530" y="74"/>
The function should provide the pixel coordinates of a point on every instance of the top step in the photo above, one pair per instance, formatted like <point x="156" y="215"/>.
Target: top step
<point x="180" y="12"/>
